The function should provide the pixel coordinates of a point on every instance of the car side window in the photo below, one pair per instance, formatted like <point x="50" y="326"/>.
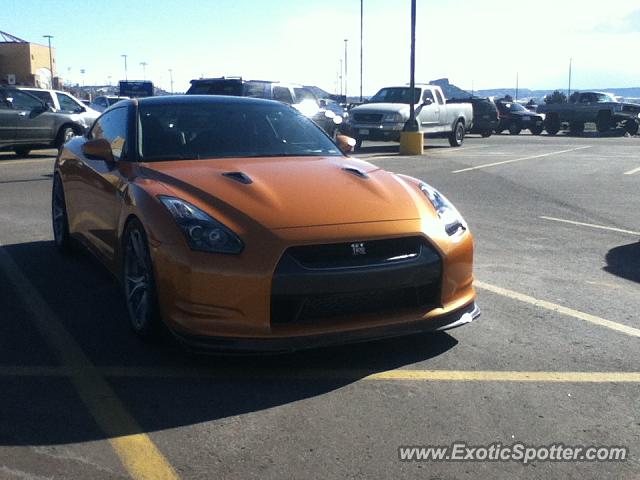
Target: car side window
<point x="427" y="95"/>
<point x="254" y="89"/>
<point x="68" y="104"/>
<point x="101" y="101"/>
<point x="282" y="94"/>
<point x="112" y="126"/>
<point x="439" y="97"/>
<point x="22" y="101"/>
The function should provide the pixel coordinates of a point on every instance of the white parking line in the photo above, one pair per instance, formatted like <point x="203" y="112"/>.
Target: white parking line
<point x="631" y="172"/>
<point x="504" y="162"/>
<point x="591" y="225"/>
<point x="6" y="163"/>
<point x="587" y="317"/>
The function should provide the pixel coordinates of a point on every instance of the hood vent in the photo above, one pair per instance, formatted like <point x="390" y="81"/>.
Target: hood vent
<point x="355" y="171"/>
<point x="238" y="177"/>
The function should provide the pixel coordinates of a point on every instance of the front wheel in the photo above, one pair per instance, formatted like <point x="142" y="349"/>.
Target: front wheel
<point x="22" y="151"/>
<point x="631" y="126"/>
<point x="64" y="135"/>
<point x="552" y="124"/>
<point x="486" y="134"/>
<point x="456" y="137"/>
<point x="358" y="145"/>
<point x="138" y="282"/>
<point x="59" y="218"/>
<point x="537" y="130"/>
<point x="604" y="122"/>
<point x="514" y="129"/>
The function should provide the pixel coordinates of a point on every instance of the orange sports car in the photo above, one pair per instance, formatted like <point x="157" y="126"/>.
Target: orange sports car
<point x="240" y="225"/>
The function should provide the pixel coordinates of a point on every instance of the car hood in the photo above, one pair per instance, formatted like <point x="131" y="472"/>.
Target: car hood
<point x="292" y="191"/>
<point x="382" y="108"/>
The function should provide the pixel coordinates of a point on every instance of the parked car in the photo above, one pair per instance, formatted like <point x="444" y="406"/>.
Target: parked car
<point x="239" y="225"/>
<point x="64" y="102"/>
<point x="297" y="96"/>
<point x="102" y="102"/>
<point x="383" y="117"/>
<point x="485" y="114"/>
<point x="515" y="118"/>
<point x="597" y="107"/>
<point x="27" y="123"/>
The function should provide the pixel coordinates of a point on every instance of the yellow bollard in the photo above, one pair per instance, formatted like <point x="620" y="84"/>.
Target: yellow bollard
<point x="411" y="143"/>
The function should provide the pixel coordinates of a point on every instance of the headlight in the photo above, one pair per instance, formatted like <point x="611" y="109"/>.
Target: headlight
<point x="203" y="233"/>
<point x="337" y="120"/>
<point x="329" y="114"/>
<point x="392" y="117"/>
<point x="453" y="221"/>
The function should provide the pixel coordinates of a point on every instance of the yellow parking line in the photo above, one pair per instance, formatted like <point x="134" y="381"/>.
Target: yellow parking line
<point x="587" y="317"/>
<point x="345" y="374"/>
<point x="591" y="225"/>
<point x="136" y="451"/>
<point x="504" y="162"/>
<point x="498" y="376"/>
<point x="32" y="160"/>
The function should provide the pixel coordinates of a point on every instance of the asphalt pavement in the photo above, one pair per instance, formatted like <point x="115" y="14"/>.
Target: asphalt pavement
<point x="554" y="358"/>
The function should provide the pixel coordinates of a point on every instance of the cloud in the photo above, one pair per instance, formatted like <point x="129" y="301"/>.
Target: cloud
<point x="627" y="24"/>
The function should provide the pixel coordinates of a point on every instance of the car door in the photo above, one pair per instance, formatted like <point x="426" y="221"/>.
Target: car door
<point x="429" y="112"/>
<point x="8" y="121"/>
<point x="101" y="184"/>
<point x="36" y="124"/>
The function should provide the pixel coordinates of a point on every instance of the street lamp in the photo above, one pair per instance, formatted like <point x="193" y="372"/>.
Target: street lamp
<point x="171" y="79"/>
<point x="345" y="70"/>
<point x="49" y="37"/>
<point x="125" y="66"/>
<point x="144" y="70"/>
<point x="569" y="90"/>
<point x="361" y="25"/>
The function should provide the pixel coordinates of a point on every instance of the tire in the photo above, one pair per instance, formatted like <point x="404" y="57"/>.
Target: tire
<point x="358" y="145"/>
<point x="486" y="134"/>
<point x="552" y="124"/>
<point x="576" y="128"/>
<point x="514" y="128"/>
<point x="604" y="122"/>
<point x="65" y="134"/>
<point x="456" y="137"/>
<point x="59" y="218"/>
<point x="22" y="151"/>
<point x="631" y="127"/>
<point x="537" y="130"/>
<point x="138" y="282"/>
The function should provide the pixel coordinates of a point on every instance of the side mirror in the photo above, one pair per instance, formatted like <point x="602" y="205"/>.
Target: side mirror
<point x="427" y="102"/>
<point x="346" y="144"/>
<point x="98" y="149"/>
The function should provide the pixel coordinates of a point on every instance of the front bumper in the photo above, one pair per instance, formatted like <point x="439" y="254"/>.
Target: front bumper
<point x="376" y="131"/>
<point x="242" y="345"/>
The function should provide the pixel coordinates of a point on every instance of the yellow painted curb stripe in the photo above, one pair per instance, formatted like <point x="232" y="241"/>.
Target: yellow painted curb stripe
<point x="136" y="451"/>
<point x="504" y="162"/>
<point x="587" y="317"/>
<point x="497" y="376"/>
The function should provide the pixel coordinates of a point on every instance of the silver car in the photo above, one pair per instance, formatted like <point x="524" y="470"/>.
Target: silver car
<point x="65" y="102"/>
<point x="103" y="102"/>
<point x="27" y="123"/>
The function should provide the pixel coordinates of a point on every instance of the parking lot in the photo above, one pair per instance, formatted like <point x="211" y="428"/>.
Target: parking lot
<point x="554" y="357"/>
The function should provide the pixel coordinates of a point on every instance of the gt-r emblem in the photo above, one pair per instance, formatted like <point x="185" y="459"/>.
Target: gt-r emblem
<point x="358" y="249"/>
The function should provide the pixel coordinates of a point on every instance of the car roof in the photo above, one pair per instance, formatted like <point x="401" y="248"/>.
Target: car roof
<point x="200" y="99"/>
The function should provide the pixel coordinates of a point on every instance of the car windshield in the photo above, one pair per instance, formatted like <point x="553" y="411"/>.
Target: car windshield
<point x="211" y="130"/>
<point x="304" y="94"/>
<point x="513" y="107"/>
<point x="604" y="98"/>
<point x="112" y="101"/>
<point x="396" y="95"/>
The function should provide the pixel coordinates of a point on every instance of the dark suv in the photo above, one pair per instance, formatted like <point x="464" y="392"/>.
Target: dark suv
<point x="515" y="118"/>
<point x="485" y="114"/>
<point x="297" y="96"/>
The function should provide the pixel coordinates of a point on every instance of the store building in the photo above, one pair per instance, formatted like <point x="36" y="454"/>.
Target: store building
<point x="26" y="63"/>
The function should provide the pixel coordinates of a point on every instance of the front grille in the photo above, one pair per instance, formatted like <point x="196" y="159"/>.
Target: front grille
<point x="299" y="310"/>
<point x="630" y="108"/>
<point x="341" y="255"/>
<point x="368" y="117"/>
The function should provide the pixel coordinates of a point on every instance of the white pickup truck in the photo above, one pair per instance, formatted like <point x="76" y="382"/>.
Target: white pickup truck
<point x="383" y="117"/>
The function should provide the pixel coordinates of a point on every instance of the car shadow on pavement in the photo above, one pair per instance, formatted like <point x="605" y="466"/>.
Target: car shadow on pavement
<point x="624" y="261"/>
<point x="160" y="384"/>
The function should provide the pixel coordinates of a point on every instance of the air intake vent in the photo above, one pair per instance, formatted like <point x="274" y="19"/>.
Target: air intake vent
<point x="238" y="177"/>
<point x="355" y="171"/>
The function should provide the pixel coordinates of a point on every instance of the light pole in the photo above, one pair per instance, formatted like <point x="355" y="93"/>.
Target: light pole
<point x="144" y="70"/>
<point x="411" y="138"/>
<point x="361" y="25"/>
<point x="341" y="78"/>
<point x="125" y="66"/>
<point x="569" y="89"/>
<point x="49" y="37"/>
<point x="82" y="70"/>
<point x="171" y="79"/>
<point x="345" y="70"/>
<point x="516" y="86"/>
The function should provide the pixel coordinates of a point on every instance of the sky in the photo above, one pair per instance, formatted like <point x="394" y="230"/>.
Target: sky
<point x="474" y="43"/>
